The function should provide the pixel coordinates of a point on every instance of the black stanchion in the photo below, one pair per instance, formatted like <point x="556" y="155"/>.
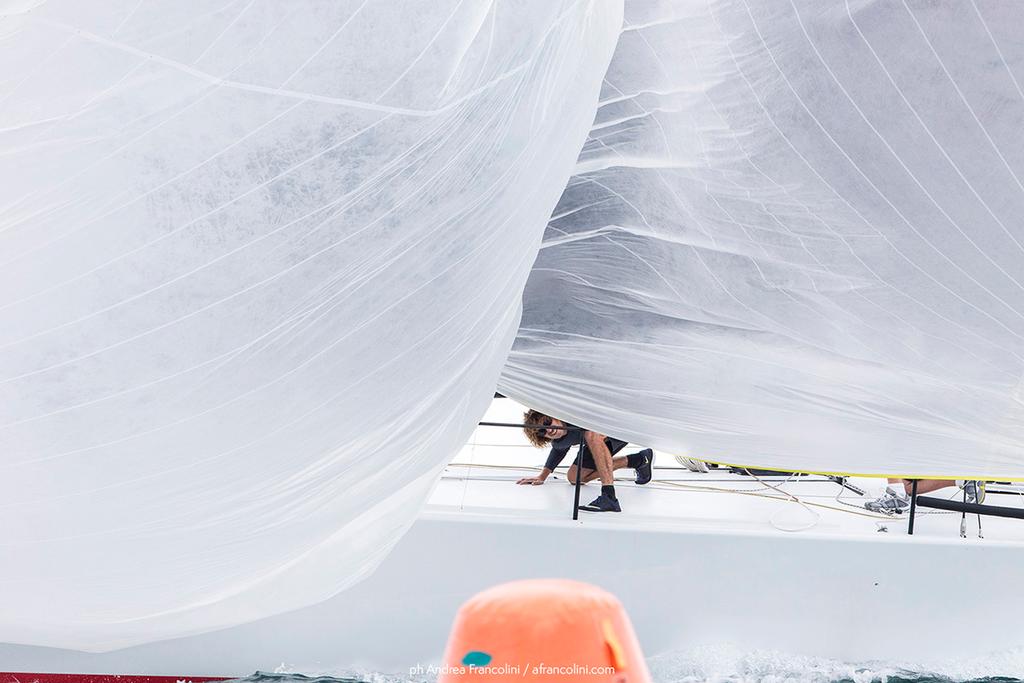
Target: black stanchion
<point x="579" y="480"/>
<point x="913" y="507"/>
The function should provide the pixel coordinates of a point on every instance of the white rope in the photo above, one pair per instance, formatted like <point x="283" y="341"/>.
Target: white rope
<point x="771" y="520"/>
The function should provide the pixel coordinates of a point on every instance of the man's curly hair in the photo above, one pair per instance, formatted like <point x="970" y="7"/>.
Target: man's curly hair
<point x="538" y="437"/>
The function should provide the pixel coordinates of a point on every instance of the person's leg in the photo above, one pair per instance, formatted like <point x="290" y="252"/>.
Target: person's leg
<point x="975" y="490"/>
<point x="590" y="469"/>
<point x="585" y="461"/>
<point x="603" y="463"/>
<point x="589" y="474"/>
<point x="641" y="461"/>
<point x="588" y="464"/>
<point x="927" y="485"/>
<point x="599" y="453"/>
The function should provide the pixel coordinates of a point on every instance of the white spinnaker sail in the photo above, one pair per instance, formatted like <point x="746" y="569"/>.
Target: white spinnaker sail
<point x="795" y="238"/>
<point x="260" y="265"/>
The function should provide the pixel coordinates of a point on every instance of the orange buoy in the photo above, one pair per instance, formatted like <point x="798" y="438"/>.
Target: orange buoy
<point x="543" y="630"/>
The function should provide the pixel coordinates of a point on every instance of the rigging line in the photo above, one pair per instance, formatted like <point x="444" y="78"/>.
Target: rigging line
<point x="771" y="520"/>
<point x="717" y="489"/>
<point x="625" y="478"/>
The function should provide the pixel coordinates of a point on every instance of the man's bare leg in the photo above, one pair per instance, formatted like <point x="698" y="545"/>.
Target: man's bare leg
<point x="618" y="462"/>
<point x="602" y="458"/>
<point x="925" y="485"/>
<point x="606" y="502"/>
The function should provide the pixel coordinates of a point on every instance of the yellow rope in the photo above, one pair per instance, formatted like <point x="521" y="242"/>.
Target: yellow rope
<point x="866" y="475"/>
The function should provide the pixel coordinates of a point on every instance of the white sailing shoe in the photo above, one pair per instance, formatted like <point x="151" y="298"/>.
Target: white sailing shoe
<point x="891" y="502"/>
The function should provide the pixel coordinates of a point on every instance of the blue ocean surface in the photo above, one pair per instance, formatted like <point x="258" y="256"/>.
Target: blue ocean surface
<point x="726" y="665"/>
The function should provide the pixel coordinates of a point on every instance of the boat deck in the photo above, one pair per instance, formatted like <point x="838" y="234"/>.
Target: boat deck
<point x="698" y="560"/>
<point x="481" y="481"/>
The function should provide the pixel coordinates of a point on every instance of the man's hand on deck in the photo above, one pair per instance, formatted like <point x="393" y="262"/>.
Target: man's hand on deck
<point x="531" y="481"/>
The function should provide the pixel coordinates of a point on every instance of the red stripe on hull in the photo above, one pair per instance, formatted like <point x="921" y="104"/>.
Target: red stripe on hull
<point x="12" y="677"/>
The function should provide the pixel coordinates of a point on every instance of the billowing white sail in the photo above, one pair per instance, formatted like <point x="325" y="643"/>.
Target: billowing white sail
<point x="260" y="265"/>
<point x="795" y="238"/>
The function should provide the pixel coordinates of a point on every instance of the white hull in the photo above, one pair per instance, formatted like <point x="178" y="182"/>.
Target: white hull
<point x="691" y="568"/>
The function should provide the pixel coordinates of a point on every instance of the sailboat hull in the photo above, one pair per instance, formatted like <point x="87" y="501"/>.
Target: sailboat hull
<point x="685" y="582"/>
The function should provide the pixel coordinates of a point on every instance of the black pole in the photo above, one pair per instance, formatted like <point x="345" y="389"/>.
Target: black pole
<point x="528" y="426"/>
<point x="579" y="481"/>
<point x="973" y="508"/>
<point x="913" y="506"/>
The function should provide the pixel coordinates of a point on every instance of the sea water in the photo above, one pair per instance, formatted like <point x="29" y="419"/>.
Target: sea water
<point x="728" y="665"/>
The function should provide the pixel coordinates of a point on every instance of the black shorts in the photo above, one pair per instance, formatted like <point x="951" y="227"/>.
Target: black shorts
<point x="614" y="445"/>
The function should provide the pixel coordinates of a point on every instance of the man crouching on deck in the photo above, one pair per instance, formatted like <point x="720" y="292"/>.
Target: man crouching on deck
<point x="595" y="459"/>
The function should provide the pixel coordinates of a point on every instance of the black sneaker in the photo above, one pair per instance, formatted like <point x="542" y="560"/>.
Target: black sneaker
<point x="643" y="471"/>
<point x="602" y="503"/>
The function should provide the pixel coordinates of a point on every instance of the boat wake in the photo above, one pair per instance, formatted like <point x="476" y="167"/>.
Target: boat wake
<point x="725" y="664"/>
